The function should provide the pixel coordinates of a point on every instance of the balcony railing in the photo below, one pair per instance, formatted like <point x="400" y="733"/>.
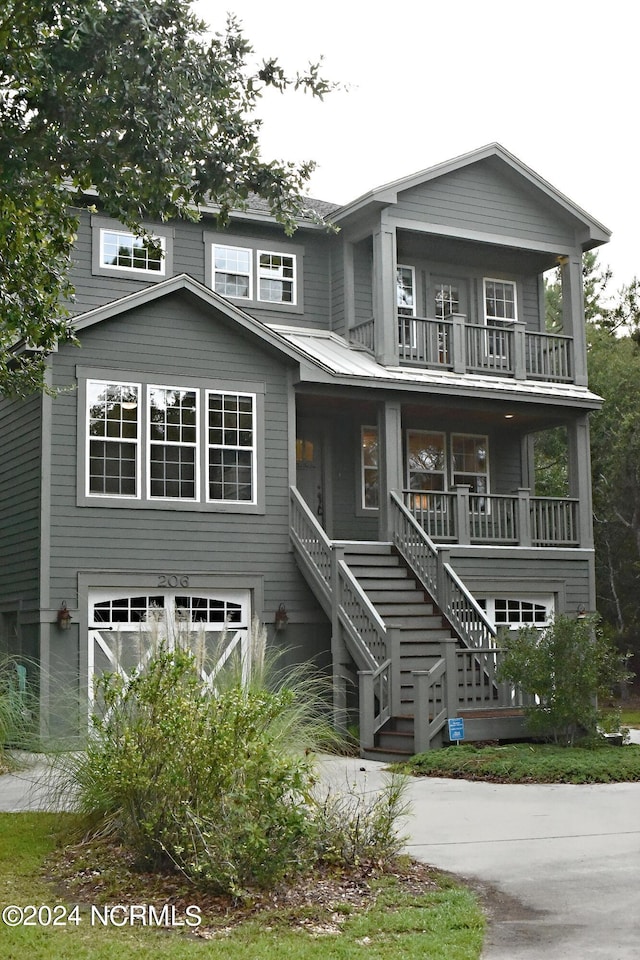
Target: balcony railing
<point x="518" y="520"/>
<point x="507" y="350"/>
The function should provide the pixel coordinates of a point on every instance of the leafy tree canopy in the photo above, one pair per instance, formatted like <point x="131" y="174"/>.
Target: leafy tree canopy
<point x="130" y="99"/>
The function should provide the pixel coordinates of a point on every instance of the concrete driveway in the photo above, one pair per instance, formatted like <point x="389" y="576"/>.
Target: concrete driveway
<point x="558" y="866"/>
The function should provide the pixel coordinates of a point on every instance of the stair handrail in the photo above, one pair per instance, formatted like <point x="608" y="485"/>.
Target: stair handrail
<point x="449" y="592"/>
<point x="336" y="582"/>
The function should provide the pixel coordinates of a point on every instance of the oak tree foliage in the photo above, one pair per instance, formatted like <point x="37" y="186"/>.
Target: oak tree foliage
<point x="132" y="101"/>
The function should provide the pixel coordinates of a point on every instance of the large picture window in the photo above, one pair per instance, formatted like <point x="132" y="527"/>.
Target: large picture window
<point x="146" y="442"/>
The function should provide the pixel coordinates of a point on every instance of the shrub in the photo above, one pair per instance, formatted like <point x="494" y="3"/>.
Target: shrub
<point x="218" y="783"/>
<point x="567" y="665"/>
<point x="16" y="711"/>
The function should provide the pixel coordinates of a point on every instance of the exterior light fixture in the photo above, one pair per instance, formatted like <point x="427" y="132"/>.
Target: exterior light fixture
<point x="508" y="416"/>
<point x="281" y="618"/>
<point x="63" y="617"/>
<point x="581" y="612"/>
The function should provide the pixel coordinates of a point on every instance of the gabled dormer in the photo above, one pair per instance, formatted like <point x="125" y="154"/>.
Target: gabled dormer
<point x="444" y="269"/>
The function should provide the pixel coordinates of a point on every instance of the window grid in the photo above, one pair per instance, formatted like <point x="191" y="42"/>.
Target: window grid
<point x="500" y="301"/>
<point x="124" y="251"/>
<point x="126" y="609"/>
<point x="276" y="277"/>
<point x="173" y="432"/>
<point x="426" y="463"/>
<point x="112" y="456"/>
<point x="232" y="272"/>
<point x="469" y="461"/>
<point x="447" y="300"/>
<point x="231" y="431"/>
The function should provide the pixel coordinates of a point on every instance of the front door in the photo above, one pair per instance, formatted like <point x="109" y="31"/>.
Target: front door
<point x="309" y="468"/>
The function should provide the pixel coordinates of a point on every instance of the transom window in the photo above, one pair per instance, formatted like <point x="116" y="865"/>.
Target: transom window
<point x="516" y="612"/>
<point x="124" y="251"/>
<point x="183" y="463"/>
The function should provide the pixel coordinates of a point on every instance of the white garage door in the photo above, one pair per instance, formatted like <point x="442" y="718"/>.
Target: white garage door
<point x="126" y="627"/>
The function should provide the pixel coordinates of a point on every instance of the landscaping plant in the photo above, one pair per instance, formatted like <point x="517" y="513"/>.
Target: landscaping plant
<point x="216" y="781"/>
<point x="567" y="666"/>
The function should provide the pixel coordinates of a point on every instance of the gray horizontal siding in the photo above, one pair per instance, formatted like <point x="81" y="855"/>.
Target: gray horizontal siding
<point x="363" y="280"/>
<point x="189" y="257"/>
<point x="479" y="197"/>
<point x="172" y="338"/>
<point x="20" y="470"/>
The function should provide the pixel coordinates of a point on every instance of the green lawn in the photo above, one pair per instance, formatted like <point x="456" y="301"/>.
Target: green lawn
<point x="530" y="763"/>
<point x="432" y="918"/>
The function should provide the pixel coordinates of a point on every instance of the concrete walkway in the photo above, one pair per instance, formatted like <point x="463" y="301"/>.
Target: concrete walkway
<point x="558" y="866"/>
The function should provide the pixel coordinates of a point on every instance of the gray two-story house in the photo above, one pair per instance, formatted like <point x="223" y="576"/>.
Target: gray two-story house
<point x="331" y="434"/>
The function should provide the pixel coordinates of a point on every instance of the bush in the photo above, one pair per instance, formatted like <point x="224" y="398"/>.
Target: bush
<point x="567" y="665"/>
<point x="217" y="783"/>
<point x="17" y="711"/>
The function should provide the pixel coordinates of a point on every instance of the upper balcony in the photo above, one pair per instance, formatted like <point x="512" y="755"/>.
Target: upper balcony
<point x="506" y="350"/>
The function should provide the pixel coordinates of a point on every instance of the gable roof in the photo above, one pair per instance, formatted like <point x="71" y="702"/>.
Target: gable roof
<point x="387" y="194"/>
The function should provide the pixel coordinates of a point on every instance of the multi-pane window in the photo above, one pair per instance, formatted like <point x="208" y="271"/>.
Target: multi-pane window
<point x="517" y="612"/>
<point x="470" y="461"/>
<point x="173" y="435"/>
<point x="113" y="433"/>
<point x="406" y="304"/>
<point x="370" y="476"/>
<point x="232" y="272"/>
<point x="446" y="299"/>
<point x="185" y="461"/>
<point x="426" y="463"/>
<point x="500" y="301"/>
<point x="231" y="446"/>
<point x="124" y="251"/>
<point x="276" y="277"/>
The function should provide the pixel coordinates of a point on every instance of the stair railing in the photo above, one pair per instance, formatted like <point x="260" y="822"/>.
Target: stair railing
<point x="439" y="578"/>
<point x="344" y="600"/>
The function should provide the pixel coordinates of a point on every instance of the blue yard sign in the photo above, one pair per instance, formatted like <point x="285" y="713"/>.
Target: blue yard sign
<point x="456" y="728"/>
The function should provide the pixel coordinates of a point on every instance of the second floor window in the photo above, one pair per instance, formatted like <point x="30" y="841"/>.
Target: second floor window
<point x="124" y="251"/>
<point x="499" y="301"/>
<point x="149" y="444"/>
<point x="242" y="273"/>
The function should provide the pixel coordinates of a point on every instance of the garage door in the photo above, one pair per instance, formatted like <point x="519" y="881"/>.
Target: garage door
<point x="127" y="627"/>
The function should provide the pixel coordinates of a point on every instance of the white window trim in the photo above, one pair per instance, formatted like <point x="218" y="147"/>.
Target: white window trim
<point x="214" y="271"/>
<point x="255" y="248"/>
<point x="293" y="281"/>
<point x="252" y="448"/>
<point x="499" y="321"/>
<point x="120" y="497"/>
<point x="86" y="498"/>
<point x="400" y="306"/>
<point x="546" y="600"/>
<point x="172" y="443"/>
<point x="134" y="239"/>
<point x="101" y="225"/>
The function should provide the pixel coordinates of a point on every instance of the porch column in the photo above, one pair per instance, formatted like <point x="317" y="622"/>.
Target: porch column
<point x="385" y="300"/>
<point x="580" y="478"/>
<point x="389" y="460"/>
<point x="573" y="314"/>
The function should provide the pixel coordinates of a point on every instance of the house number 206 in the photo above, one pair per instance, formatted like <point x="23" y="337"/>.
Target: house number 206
<point x="172" y="580"/>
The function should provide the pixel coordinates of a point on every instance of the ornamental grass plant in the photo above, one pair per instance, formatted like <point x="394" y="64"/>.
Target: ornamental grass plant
<point x="215" y="779"/>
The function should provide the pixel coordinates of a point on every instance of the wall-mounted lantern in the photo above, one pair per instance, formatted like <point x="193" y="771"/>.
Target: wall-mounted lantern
<point x="63" y="617"/>
<point x="281" y="619"/>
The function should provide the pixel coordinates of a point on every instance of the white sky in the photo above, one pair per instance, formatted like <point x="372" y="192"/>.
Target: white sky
<point x="556" y="83"/>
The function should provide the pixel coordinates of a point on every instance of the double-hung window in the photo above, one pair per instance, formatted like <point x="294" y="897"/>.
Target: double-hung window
<point x="500" y="309"/>
<point x="179" y="445"/>
<point x="370" y="466"/>
<point x="470" y="463"/>
<point x="244" y="270"/>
